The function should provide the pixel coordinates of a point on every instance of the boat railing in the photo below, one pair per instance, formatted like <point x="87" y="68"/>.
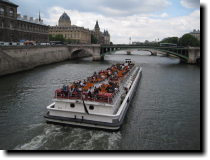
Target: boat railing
<point x="101" y="97"/>
<point x="105" y="97"/>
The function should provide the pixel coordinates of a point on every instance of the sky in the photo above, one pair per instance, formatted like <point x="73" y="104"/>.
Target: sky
<point x="141" y="20"/>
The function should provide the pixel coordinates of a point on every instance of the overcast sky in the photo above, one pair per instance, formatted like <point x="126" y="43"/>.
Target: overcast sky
<point x="140" y="19"/>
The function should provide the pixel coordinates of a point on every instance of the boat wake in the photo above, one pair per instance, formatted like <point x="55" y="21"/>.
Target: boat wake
<point x="55" y="137"/>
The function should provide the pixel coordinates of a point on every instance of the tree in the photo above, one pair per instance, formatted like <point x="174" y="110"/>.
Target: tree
<point x="146" y="42"/>
<point x="174" y="40"/>
<point x="189" y="40"/>
<point x="58" y="37"/>
<point x="93" y="39"/>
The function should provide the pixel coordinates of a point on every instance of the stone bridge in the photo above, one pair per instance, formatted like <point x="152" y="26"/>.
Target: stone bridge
<point x="18" y="58"/>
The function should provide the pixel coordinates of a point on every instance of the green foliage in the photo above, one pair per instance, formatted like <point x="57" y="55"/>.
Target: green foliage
<point x="93" y="39"/>
<point x="148" y="43"/>
<point x="58" y="37"/>
<point x="189" y="40"/>
<point x="174" y="40"/>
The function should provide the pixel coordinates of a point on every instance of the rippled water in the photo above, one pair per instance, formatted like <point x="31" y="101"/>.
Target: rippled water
<point x="163" y="115"/>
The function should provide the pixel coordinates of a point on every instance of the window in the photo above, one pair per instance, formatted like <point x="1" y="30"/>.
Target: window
<point x="91" y="107"/>
<point x="11" y="12"/>
<point x="10" y="26"/>
<point x="72" y="105"/>
<point x="2" y="25"/>
<point x="1" y="11"/>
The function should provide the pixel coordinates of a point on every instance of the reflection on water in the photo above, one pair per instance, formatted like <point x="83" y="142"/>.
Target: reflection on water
<point x="164" y="114"/>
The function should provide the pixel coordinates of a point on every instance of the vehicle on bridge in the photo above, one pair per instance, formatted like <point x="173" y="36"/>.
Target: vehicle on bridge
<point x="29" y="43"/>
<point x="56" y="43"/>
<point x="101" y="101"/>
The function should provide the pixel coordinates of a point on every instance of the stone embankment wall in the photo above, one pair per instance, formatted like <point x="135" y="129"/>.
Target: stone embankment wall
<point x="15" y="59"/>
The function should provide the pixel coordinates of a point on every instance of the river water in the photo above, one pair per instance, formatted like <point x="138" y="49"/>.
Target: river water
<point x="163" y="115"/>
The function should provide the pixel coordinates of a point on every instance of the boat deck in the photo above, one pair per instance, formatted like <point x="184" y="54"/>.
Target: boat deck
<point x="105" y="98"/>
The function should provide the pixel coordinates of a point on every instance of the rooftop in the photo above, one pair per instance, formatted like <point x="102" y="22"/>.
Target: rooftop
<point x="8" y="2"/>
<point x="195" y="31"/>
<point x="64" y="17"/>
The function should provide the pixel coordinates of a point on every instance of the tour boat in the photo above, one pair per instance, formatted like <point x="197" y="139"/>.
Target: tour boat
<point x="101" y="101"/>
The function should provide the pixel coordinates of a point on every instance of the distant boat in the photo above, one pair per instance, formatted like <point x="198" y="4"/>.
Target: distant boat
<point x="128" y="52"/>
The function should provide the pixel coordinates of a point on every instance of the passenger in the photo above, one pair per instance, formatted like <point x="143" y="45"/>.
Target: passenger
<point x="71" y="91"/>
<point x="94" y="74"/>
<point x="126" y="90"/>
<point x="80" y="90"/>
<point x="81" y="84"/>
<point x="96" y="91"/>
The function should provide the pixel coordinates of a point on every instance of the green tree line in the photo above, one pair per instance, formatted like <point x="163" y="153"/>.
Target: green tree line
<point x="186" y="40"/>
<point x="59" y="37"/>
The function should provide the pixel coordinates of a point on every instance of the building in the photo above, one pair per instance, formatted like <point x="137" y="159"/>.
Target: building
<point x="15" y="28"/>
<point x="76" y="34"/>
<point x="70" y="32"/>
<point x="196" y="34"/>
<point x="100" y="37"/>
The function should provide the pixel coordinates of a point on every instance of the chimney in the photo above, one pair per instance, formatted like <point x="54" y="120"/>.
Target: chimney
<point x="25" y="17"/>
<point x="31" y="19"/>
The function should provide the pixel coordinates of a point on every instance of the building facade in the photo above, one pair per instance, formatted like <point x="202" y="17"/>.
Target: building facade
<point x="78" y="34"/>
<point x="196" y="34"/>
<point x="70" y="32"/>
<point x="15" y="28"/>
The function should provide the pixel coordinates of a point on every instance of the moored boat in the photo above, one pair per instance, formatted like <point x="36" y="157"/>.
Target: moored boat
<point x="100" y="101"/>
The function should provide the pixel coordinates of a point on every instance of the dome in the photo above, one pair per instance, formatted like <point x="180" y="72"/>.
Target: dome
<point x="64" y="20"/>
<point x="64" y="17"/>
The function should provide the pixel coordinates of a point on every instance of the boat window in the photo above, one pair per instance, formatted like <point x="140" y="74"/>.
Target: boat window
<point x="128" y="100"/>
<point x="91" y="107"/>
<point x="72" y="105"/>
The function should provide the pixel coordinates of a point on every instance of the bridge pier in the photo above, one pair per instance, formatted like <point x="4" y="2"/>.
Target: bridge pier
<point x="98" y="58"/>
<point x="154" y="53"/>
<point x="96" y="53"/>
<point x="194" y="54"/>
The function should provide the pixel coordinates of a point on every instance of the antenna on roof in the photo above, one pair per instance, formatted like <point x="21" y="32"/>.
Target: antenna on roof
<point x="39" y="17"/>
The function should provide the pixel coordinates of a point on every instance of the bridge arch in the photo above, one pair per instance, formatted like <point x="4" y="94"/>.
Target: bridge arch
<point x="85" y="50"/>
<point x="80" y="53"/>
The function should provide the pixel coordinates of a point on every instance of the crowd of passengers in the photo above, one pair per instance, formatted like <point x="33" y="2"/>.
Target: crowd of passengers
<point x="92" y="87"/>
